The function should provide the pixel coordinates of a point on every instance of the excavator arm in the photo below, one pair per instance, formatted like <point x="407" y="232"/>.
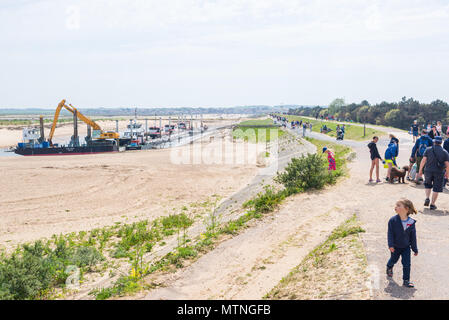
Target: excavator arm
<point x="72" y="109"/>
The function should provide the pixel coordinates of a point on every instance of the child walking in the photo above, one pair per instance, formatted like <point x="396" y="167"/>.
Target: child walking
<point x="330" y="159"/>
<point x="402" y="238"/>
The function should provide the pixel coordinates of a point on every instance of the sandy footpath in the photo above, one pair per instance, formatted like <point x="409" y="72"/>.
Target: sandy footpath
<point x="42" y="196"/>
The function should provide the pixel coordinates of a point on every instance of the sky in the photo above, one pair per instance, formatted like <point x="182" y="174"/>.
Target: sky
<point x="218" y="53"/>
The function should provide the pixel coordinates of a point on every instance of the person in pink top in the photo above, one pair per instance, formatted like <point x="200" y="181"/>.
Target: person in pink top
<point x="330" y="159"/>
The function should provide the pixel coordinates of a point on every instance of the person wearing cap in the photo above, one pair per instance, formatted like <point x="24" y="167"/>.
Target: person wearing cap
<point x="436" y="163"/>
<point x="330" y="159"/>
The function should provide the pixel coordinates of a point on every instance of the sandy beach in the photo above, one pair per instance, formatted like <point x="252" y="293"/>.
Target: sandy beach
<point x="42" y="196"/>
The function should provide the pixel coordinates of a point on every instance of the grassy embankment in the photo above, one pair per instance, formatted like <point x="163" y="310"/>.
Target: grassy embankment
<point x="336" y="269"/>
<point x="352" y="132"/>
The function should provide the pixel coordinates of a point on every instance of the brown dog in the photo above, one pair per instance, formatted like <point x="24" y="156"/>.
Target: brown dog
<point x="400" y="174"/>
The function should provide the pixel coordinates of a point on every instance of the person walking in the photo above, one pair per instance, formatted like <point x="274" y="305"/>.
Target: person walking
<point x="402" y="238"/>
<point x="418" y="150"/>
<point x="414" y="129"/>
<point x="375" y="157"/>
<point x="436" y="163"/>
<point x="304" y="127"/>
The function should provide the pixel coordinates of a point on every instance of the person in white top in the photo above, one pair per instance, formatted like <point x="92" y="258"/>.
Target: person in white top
<point x="439" y="127"/>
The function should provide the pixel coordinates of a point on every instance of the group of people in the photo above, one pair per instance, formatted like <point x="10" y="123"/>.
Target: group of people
<point x="429" y="157"/>
<point x="301" y="124"/>
<point x="433" y="130"/>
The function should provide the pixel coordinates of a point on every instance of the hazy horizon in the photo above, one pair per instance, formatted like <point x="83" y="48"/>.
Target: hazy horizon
<point x="198" y="53"/>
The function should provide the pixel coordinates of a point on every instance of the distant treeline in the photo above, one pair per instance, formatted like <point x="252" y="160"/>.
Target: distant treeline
<point x="156" y="111"/>
<point x="392" y="114"/>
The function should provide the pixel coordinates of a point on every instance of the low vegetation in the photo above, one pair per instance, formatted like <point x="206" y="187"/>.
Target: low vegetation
<point x="257" y="131"/>
<point x="335" y="269"/>
<point x="39" y="270"/>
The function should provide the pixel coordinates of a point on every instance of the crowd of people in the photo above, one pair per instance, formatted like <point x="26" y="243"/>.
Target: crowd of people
<point x="429" y="158"/>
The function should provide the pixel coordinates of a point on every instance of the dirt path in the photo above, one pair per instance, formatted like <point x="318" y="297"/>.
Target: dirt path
<point x="250" y="264"/>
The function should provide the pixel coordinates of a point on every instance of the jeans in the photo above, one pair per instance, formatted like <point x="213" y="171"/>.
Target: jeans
<point x="405" y="253"/>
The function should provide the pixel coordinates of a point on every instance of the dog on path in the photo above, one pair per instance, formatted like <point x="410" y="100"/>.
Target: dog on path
<point x="400" y="174"/>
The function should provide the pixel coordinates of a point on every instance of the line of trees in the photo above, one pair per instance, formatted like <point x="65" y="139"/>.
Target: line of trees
<point x="393" y="114"/>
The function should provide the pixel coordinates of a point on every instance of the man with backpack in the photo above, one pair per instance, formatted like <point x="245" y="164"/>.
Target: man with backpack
<point x="436" y="163"/>
<point x="418" y="150"/>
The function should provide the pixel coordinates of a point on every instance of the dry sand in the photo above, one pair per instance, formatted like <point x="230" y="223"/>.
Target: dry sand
<point x="42" y="196"/>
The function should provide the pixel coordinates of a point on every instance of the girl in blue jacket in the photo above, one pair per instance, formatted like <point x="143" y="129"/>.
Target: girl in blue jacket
<point x="390" y="158"/>
<point x="402" y="238"/>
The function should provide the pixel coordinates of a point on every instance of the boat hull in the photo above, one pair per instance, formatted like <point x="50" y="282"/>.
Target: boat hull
<point x="56" y="151"/>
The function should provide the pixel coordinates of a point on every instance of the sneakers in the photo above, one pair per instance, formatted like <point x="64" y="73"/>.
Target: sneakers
<point x="378" y="180"/>
<point x="433" y="207"/>
<point x="426" y="202"/>
<point x="389" y="272"/>
<point x="370" y="180"/>
<point x="408" y="284"/>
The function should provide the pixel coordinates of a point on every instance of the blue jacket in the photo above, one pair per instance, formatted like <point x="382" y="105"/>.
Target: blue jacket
<point x="400" y="238"/>
<point x="423" y="139"/>
<point x="390" y="153"/>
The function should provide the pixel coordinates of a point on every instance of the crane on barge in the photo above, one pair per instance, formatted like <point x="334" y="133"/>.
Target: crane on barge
<point x="97" y="131"/>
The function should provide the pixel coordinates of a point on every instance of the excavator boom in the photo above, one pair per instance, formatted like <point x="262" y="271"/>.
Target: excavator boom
<point x="82" y="117"/>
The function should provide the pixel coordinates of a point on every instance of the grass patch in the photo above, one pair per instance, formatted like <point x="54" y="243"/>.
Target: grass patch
<point x="334" y="269"/>
<point x="257" y="131"/>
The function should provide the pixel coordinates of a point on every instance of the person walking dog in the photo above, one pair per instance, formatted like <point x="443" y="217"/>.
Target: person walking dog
<point x="435" y="164"/>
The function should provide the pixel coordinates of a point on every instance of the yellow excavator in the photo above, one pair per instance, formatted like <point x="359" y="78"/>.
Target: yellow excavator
<point x="97" y="132"/>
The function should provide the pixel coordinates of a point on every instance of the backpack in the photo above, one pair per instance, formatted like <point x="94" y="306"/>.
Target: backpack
<point x="422" y="147"/>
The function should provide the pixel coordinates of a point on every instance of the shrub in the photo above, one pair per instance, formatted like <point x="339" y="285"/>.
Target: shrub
<point x="86" y="257"/>
<point x="305" y="173"/>
<point x="266" y="201"/>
